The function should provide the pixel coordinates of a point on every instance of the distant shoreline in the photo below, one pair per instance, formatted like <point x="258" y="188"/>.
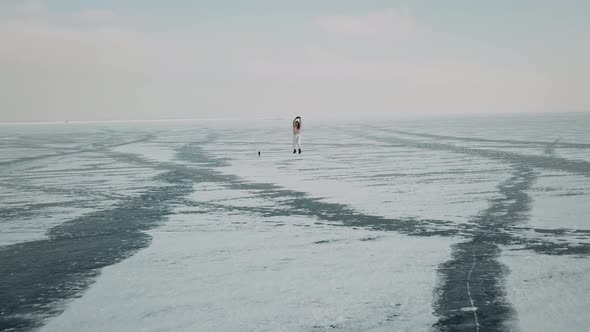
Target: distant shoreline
<point x="431" y="116"/>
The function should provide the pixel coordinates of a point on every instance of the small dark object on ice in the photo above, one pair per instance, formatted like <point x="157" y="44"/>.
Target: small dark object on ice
<point x="299" y="151"/>
<point x="258" y="153"/>
<point x="294" y="151"/>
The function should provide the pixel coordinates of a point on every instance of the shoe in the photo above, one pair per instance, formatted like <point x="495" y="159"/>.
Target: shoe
<point x="299" y="151"/>
<point x="294" y="150"/>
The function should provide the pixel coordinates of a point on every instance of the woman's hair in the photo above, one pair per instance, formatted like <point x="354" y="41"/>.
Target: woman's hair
<point x="298" y="125"/>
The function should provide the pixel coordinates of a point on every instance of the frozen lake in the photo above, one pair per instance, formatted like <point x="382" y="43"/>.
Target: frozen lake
<point x="477" y="224"/>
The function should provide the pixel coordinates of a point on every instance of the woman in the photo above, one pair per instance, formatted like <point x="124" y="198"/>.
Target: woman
<point x="297" y="134"/>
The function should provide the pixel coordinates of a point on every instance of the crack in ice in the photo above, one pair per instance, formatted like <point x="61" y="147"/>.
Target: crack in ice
<point x="473" y="307"/>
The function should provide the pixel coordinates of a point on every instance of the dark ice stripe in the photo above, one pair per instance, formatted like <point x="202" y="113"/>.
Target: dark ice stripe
<point x="36" y="274"/>
<point x="474" y="272"/>
<point x="555" y="143"/>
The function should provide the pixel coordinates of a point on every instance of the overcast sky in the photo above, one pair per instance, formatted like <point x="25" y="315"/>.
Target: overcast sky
<point x="151" y="59"/>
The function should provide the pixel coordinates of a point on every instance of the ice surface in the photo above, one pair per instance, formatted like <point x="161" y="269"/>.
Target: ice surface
<point x="375" y="226"/>
<point x="549" y="293"/>
<point x="155" y="152"/>
<point x="52" y="185"/>
<point x="384" y="180"/>
<point x="227" y="272"/>
<point x="561" y="201"/>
